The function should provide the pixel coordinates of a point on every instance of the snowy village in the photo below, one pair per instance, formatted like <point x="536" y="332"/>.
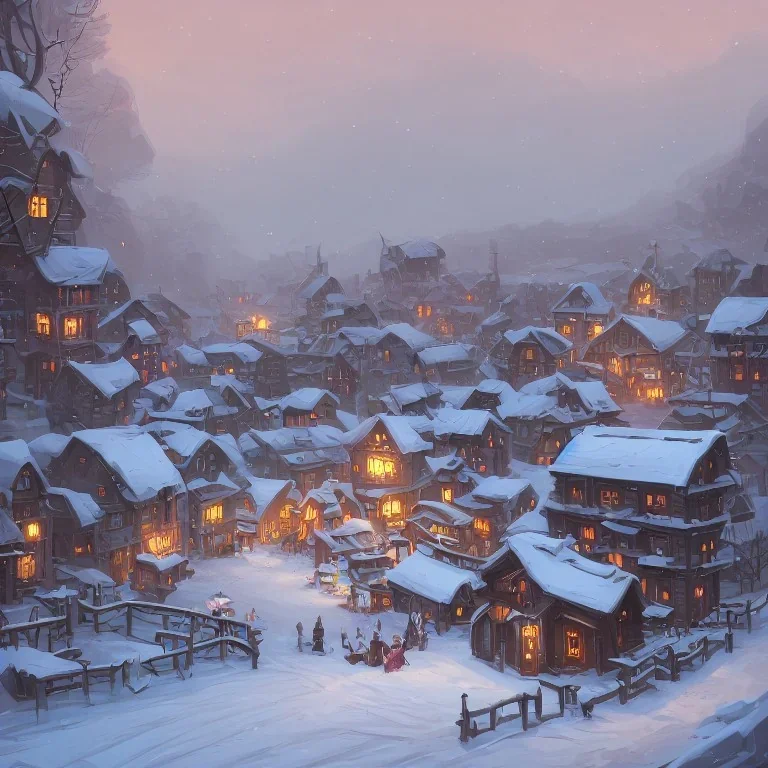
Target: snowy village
<point x="422" y="507"/>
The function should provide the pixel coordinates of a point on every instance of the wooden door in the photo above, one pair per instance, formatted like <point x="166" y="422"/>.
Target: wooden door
<point x="529" y="649"/>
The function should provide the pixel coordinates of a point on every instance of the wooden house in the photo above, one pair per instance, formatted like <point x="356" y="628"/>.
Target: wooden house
<point x="238" y="359"/>
<point x="652" y="502"/>
<point x="582" y="313"/>
<point x="738" y="336"/>
<point x="642" y="357"/>
<point x="476" y="436"/>
<point x="330" y="505"/>
<point x="306" y="455"/>
<point x="270" y="379"/>
<point x="23" y="491"/>
<point x="170" y="314"/>
<point x="389" y="358"/>
<point x="441" y="591"/>
<point x="92" y="395"/>
<point x="364" y="551"/>
<point x="547" y="609"/>
<point x="451" y="478"/>
<point x="448" y="363"/>
<point x="545" y="414"/>
<point x="129" y="476"/>
<point x="418" y="399"/>
<point x="713" y="278"/>
<point x="494" y="504"/>
<point x="530" y="353"/>
<point x="309" y="407"/>
<point x="389" y="468"/>
<point x="191" y="363"/>
<point x="314" y="295"/>
<point x="348" y="313"/>
<point x="657" y="291"/>
<point x="12" y="549"/>
<point x="409" y="268"/>
<point x="268" y="513"/>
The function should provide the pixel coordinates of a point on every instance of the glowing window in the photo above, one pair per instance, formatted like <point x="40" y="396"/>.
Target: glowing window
<point x="447" y="495"/>
<point x="529" y="354"/>
<point x="588" y="532"/>
<point x="665" y="595"/>
<point x="73" y="326"/>
<point x="609" y="498"/>
<point x="391" y="508"/>
<point x="656" y="501"/>
<point x="25" y="567"/>
<point x="43" y="323"/>
<point x="38" y="207"/>
<point x="567" y="330"/>
<point x="482" y="526"/>
<point x="573" y="644"/>
<point x="617" y="559"/>
<point x="500" y="612"/>
<point x="32" y="532"/>
<point x="459" y="611"/>
<point x="698" y="592"/>
<point x="214" y="513"/>
<point x="102" y="491"/>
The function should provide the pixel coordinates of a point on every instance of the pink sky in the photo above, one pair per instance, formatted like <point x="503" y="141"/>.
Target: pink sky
<point x="245" y="80"/>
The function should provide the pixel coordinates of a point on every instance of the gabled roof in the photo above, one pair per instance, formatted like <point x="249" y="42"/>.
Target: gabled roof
<point x="469" y="423"/>
<point x="136" y="458"/>
<point x="109" y="378"/>
<point x="447" y="353"/>
<point x="264" y="491"/>
<point x="306" y="399"/>
<point x="409" y="394"/>
<point x="420" y="249"/>
<point x="14" y="456"/>
<point x="145" y="331"/>
<point x="289" y="439"/>
<point x="416" y="340"/>
<point x="548" y="338"/>
<point x="593" y="394"/>
<point x="82" y="505"/>
<point x="73" y="265"/>
<point x="435" y="580"/>
<point x="660" y="334"/>
<point x="594" y="301"/>
<point x="717" y="259"/>
<point x="407" y="439"/>
<point x="309" y="290"/>
<point x="192" y="355"/>
<point x="743" y="315"/>
<point x="499" y="490"/>
<point x="242" y="351"/>
<point x="666" y="457"/>
<point x="564" y="574"/>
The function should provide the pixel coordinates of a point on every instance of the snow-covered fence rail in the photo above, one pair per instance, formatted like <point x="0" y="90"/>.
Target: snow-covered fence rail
<point x="131" y="609"/>
<point x="223" y="643"/>
<point x="735" y="611"/>
<point x="467" y="723"/>
<point x="11" y="634"/>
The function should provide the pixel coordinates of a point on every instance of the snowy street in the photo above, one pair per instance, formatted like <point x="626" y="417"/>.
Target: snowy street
<point x="305" y="710"/>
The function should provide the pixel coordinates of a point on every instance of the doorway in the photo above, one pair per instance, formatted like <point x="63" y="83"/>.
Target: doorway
<point x="529" y="652"/>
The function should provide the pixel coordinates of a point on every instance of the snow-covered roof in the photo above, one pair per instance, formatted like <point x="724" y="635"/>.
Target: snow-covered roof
<point x="548" y="338"/>
<point x="470" y="422"/>
<point x="593" y="394"/>
<point x="499" y="489"/>
<point x="409" y="394"/>
<point x="90" y="576"/>
<point x="415" y="339"/>
<point x="145" y="331"/>
<point x="445" y="512"/>
<point x="400" y="428"/>
<point x="109" y="378"/>
<point x="661" y="334"/>
<point x="288" y="439"/>
<point x="47" y="447"/>
<point x="161" y="564"/>
<point x="73" y="265"/>
<point x="135" y="457"/>
<point x="448" y="463"/>
<point x="242" y="351"/>
<point x="565" y="574"/>
<point x="311" y="288"/>
<point x="594" y="301"/>
<point x="668" y="457"/>
<point x="88" y="512"/>
<point x="359" y="335"/>
<point x="419" y="249"/>
<point x="306" y="399"/>
<point x="347" y="420"/>
<point x="25" y="103"/>
<point x="446" y="353"/>
<point x="433" y="579"/>
<point x="708" y="397"/>
<point x="9" y="531"/>
<point x="739" y="314"/>
<point x="14" y="455"/>
<point x="263" y="491"/>
<point x="191" y="400"/>
<point x="192" y="355"/>
<point x="165" y="388"/>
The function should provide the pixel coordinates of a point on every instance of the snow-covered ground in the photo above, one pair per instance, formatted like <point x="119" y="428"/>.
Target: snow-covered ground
<point x="306" y="710"/>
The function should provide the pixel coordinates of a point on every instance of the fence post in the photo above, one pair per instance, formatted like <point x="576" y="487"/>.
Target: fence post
<point x="561" y="699"/>
<point x="464" y="732"/>
<point x="749" y="616"/>
<point x="524" y="711"/>
<point x="539" y="704"/>
<point x="41" y="700"/>
<point x="129" y="620"/>
<point x="492" y="714"/>
<point x="223" y="648"/>
<point x="96" y="622"/>
<point x="503" y="653"/>
<point x="70" y="619"/>
<point x="705" y="644"/>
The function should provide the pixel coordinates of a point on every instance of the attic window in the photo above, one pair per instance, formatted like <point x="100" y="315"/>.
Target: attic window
<point x="102" y="491"/>
<point x="38" y="207"/>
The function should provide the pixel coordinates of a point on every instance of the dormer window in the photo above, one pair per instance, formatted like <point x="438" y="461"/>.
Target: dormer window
<point x="38" y="207"/>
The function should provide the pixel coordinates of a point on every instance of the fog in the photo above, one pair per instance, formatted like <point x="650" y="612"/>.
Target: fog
<point x="316" y="120"/>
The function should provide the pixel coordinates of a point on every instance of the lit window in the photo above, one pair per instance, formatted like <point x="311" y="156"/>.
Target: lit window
<point x="665" y="595"/>
<point x="617" y="559"/>
<point x="573" y="644"/>
<point x="609" y="498"/>
<point x="420" y="311"/>
<point x="429" y="311"/>
<point x="698" y="592"/>
<point x="25" y="567"/>
<point x="102" y="491"/>
<point x="644" y="585"/>
<point x="38" y="207"/>
<point x="482" y="526"/>
<point x="567" y="330"/>
<point x="380" y="468"/>
<point x="447" y="495"/>
<point x="387" y="355"/>
<point x="588" y="532"/>
<point x="529" y="354"/>
<point x="32" y="532"/>
<point x="500" y="612"/>
<point x="214" y="513"/>
<point x="43" y="323"/>
<point x="737" y="372"/>
<point x="522" y="586"/>
<point x="310" y="514"/>
<point x="656" y="501"/>
<point x="459" y="611"/>
<point x="577" y="494"/>
<point x="73" y="326"/>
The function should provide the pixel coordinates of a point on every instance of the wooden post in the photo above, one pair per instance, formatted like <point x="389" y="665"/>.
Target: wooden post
<point x="524" y="711"/>
<point x="15" y="639"/>
<point x="623" y="687"/>
<point x="69" y="612"/>
<point x="41" y="699"/>
<point x="50" y="639"/>
<point x="223" y="648"/>
<point x="96" y="622"/>
<point x="705" y="645"/>
<point x="165" y="621"/>
<point x="174" y="647"/>
<point x="190" y="657"/>
<point x="748" y="613"/>
<point x="561" y="699"/>
<point x="126" y="673"/>
<point x="464" y="732"/>
<point x="539" y="704"/>
<point x="493" y="718"/>
<point x="503" y="656"/>
<point x="129" y="620"/>
<point x="112" y="679"/>
<point x="86" y="682"/>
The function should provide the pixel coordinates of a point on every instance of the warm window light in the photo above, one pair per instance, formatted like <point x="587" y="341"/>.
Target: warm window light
<point x="459" y="611"/>
<point x="73" y="327"/>
<point x="567" y="330"/>
<point x="529" y="354"/>
<point x="214" y="513"/>
<point x="43" y="323"/>
<point x="482" y="526"/>
<point x="500" y="612"/>
<point x="380" y="469"/>
<point x="588" y="532"/>
<point x="135" y="356"/>
<point x="32" y="532"/>
<point x="665" y="595"/>
<point x="310" y="514"/>
<point x="573" y="644"/>
<point x="102" y="491"/>
<point x="38" y="207"/>
<point x="447" y="495"/>
<point x="617" y="559"/>
<point x="391" y="508"/>
<point x="698" y="592"/>
<point x="159" y="545"/>
<point x="25" y="567"/>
